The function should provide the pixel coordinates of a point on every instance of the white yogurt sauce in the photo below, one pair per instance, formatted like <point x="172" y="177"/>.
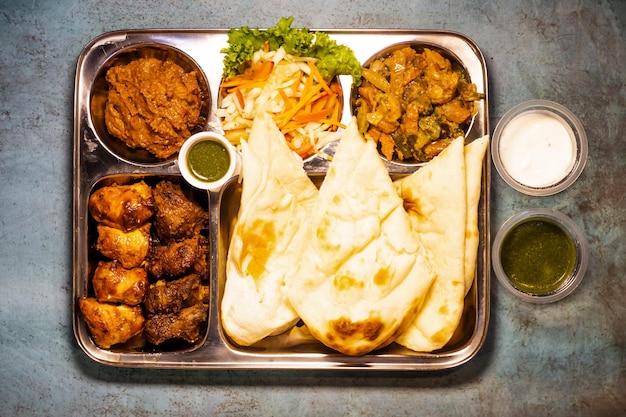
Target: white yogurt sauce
<point x="537" y="149"/>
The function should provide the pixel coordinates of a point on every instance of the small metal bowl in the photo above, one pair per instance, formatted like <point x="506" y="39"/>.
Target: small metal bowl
<point x="523" y="284"/>
<point x="539" y="148"/>
<point x="419" y="47"/>
<point x="99" y="89"/>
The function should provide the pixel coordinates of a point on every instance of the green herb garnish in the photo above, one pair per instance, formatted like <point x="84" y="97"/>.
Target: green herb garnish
<point x="332" y="59"/>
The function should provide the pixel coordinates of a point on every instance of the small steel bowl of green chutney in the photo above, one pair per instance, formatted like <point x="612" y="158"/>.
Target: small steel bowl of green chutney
<point x="540" y="255"/>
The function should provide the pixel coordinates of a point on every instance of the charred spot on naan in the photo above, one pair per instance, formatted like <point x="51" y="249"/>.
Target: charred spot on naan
<point x="344" y="329"/>
<point x="412" y="207"/>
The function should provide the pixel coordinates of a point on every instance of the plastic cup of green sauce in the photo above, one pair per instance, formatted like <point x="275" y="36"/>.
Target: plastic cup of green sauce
<point x="540" y="255"/>
<point x="207" y="160"/>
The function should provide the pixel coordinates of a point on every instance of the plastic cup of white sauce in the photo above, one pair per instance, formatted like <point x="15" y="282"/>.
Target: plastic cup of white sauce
<point x="539" y="148"/>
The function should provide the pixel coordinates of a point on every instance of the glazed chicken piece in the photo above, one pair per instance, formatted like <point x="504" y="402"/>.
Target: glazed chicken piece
<point x="123" y="207"/>
<point x="177" y="216"/>
<point x="178" y="258"/>
<point x="111" y="324"/>
<point x="185" y="325"/>
<point x="171" y="296"/>
<point x="129" y="248"/>
<point x="115" y="284"/>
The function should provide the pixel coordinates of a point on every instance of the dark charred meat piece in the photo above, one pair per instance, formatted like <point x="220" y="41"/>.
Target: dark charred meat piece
<point x="123" y="207"/>
<point x="178" y="258"/>
<point x="171" y="296"/>
<point x="111" y="324"/>
<point x="115" y="284"/>
<point x="185" y="325"/>
<point x="177" y="216"/>
<point x="129" y="248"/>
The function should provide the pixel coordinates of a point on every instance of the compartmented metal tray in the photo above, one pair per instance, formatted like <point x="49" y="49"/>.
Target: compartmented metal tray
<point x="98" y="160"/>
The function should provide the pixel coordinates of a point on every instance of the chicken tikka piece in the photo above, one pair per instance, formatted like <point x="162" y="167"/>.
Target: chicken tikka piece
<point x="129" y="248"/>
<point x="113" y="283"/>
<point x="123" y="207"/>
<point x="111" y="324"/>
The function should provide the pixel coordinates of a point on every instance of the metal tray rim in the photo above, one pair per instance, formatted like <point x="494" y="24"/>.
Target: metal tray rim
<point x="85" y="176"/>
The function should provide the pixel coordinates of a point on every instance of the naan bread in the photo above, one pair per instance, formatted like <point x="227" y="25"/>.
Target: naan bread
<point x="474" y="155"/>
<point x="296" y="336"/>
<point x="277" y="197"/>
<point x="363" y="268"/>
<point x="435" y="198"/>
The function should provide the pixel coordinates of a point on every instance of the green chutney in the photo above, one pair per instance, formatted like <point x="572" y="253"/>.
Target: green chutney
<point x="538" y="256"/>
<point x="208" y="160"/>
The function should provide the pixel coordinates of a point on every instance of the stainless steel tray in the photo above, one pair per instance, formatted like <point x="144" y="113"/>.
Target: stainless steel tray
<point x="94" y="164"/>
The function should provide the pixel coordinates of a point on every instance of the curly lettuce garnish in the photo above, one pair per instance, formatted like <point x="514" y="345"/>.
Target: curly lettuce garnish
<point x="332" y="59"/>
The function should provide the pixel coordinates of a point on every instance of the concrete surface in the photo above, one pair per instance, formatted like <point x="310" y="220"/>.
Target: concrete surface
<point x="565" y="359"/>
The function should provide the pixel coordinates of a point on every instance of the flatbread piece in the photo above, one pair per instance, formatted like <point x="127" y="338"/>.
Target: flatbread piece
<point x="277" y="197"/>
<point x="435" y="198"/>
<point x="363" y="270"/>
<point x="474" y="155"/>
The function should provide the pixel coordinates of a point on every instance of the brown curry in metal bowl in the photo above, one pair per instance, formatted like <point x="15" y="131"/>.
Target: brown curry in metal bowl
<point x="147" y="100"/>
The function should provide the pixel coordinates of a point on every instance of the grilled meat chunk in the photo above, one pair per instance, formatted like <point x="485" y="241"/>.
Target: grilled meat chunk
<point x="185" y="325"/>
<point x="171" y="296"/>
<point x="178" y="258"/>
<point x="177" y="215"/>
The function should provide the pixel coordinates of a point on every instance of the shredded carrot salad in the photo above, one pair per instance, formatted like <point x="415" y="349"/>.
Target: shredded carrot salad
<point x="306" y="107"/>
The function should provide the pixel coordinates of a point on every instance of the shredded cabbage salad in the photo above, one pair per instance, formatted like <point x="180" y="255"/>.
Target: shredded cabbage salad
<point x="292" y="76"/>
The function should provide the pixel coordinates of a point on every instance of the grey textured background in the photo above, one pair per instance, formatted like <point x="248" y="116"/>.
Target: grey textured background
<point x="566" y="359"/>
